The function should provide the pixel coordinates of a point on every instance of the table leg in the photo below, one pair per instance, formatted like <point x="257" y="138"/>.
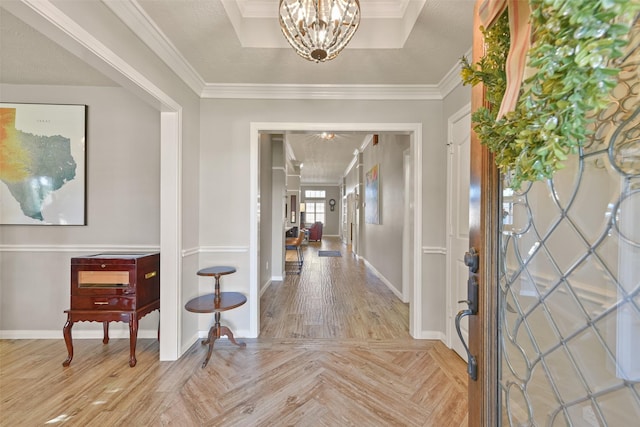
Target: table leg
<point x="66" y="332"/>
<point x="213" y="334"/>
<point x="227" y="332"/>
<point x="133" y="338"/>
<point x="105" y="329"/>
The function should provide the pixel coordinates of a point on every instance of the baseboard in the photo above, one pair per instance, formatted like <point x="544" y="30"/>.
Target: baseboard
<point x="186" y="345"/>
<point x="385" y="281"/>
<point x="266" y="286"/>
<point x="114" y="333"/>
<point x="433" y="335"/>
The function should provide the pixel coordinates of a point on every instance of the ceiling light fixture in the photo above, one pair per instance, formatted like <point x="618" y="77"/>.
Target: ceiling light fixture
<point x="319" y="29"/>
<point x="327" y="135"/>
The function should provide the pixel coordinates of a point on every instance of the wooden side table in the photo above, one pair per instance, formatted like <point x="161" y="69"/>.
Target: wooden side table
<point x="216" y="303"/>
<point x="113" y="287"/>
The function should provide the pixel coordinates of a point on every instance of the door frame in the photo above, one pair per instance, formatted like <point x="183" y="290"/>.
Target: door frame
<point x="484" y="220"/>
<point x="414" y="130"/>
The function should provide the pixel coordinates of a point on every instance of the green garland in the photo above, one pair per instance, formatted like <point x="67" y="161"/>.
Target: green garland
<point x="573" y="44"/>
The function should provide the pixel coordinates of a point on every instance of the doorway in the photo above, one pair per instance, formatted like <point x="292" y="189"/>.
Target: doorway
<point x="414" y="130"/>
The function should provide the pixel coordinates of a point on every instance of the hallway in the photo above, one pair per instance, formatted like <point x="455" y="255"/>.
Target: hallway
<point x="334" y="351"/>
<point x="333" y="297"/>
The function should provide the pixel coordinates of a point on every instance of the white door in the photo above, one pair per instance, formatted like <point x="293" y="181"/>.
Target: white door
<point x="458" y="223"/>
<point x="407" y="229"/>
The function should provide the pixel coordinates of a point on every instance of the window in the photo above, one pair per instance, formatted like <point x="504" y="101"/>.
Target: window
<point x="314" y="211"/>
<point x="315" y="194"/>
<point x="315" y="206"/>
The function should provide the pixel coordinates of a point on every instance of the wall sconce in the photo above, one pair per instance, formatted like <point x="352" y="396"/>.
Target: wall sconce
<point x="303" y="207"/>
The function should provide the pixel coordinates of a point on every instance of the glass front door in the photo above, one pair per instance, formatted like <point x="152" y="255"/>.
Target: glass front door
<point x="569" y="279"/>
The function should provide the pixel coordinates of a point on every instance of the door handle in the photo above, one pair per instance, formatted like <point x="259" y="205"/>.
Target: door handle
<point x="471" y="260"/>
<point x="472" y="363"/>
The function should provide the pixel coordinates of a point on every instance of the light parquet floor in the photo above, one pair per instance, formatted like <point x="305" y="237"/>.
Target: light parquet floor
<point x="318" y="362"/>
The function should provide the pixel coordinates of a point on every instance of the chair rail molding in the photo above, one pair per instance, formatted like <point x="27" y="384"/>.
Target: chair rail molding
<point x="438" y="250"/>
<point x="79" y="248"/>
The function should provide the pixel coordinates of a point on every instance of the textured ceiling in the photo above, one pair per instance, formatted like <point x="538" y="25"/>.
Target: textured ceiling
<point x="324" y="160"/>
<point x="204" y="36"/>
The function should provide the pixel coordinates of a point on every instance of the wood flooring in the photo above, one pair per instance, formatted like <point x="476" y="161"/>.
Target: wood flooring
<point x="334" y="350"/>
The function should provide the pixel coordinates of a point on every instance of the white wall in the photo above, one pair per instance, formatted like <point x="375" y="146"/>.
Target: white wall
<point x="123" y="201"/>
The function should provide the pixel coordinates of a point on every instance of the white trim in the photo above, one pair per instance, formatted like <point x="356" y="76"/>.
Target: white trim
<point x="415" y="132"/>
<point x="415" y="308"/>
<point x="79" y="248"/>
<point x="379" y="9"/>
<point x="430" y="250"/>
<point x="227" y="249"/>
<point x="81" y="37"/>
<point x="133" y="15"/>
<point x="452" y="79"/>
<point x="318" y="91"/>
<point x="254" y="241"/>
<point x="384" y="280"/>
<point x="187" y="343"/>
<point x="269" y="282"/>
<point x="466" y="109"/>
<point x="214" y="249"/>
<point x="190" y="252"/>
<point x="171" y="302"/>
<point x="432" y="335"/>
<point x="449" y="311"/>
<point x="141" y="24"/>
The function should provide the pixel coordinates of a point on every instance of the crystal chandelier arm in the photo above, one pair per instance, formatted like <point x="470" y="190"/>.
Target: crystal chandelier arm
<point x="344" y="36"/>
<point x="321" y="29"/>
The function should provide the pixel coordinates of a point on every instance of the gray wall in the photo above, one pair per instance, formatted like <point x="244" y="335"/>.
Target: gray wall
<point x="123" y="201"/>
<point x="266" y="209"/>
<point x="214" y="178"/>
<point x="331" y="226"/>
<point x="382" y="243"/>
<point x="226" y="157"/>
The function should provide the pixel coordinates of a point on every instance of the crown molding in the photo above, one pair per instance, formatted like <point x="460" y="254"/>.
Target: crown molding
<point x="375" y="9"/>
<point x="452" y="79"/>
<point x="385" y="24"/>
<point x="134" y="16"/>
<point x="315" y="92"/>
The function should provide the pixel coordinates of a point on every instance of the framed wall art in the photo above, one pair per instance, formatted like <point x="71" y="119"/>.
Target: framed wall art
<point x="42" y="164"/>
<point x="372" y="196"/>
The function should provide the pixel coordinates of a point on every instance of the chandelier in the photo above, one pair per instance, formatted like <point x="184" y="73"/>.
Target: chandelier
<point x="319" y="29"/>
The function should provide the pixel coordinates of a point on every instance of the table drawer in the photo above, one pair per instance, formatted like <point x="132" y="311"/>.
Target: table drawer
<point x="104" y="302"/>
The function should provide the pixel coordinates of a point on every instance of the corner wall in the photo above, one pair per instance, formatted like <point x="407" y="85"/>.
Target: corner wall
<point x="123" y="212"/>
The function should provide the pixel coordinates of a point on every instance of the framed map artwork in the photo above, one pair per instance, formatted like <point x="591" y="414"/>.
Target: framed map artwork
<point x="42" y="164"/>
